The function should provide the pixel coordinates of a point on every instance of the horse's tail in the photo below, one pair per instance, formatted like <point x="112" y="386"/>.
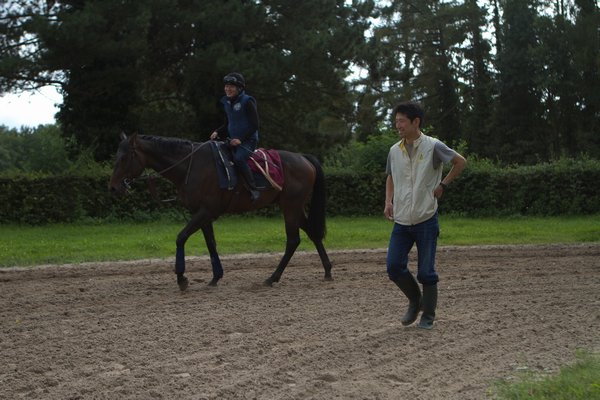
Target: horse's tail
<point x="316" y="229"/>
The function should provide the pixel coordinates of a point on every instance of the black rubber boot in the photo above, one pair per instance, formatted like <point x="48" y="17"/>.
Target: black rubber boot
<point x="409" y="286"/>
<point x="429" y="304"/>
<point x="249" y="178"/>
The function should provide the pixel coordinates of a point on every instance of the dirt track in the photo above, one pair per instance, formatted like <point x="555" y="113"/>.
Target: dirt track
<point x="124" y="331"/>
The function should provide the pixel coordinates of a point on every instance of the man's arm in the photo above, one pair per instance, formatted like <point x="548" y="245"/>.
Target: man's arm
<point x="221" y="132"/>
<point x="388" y="211"/>
<point x="458" y="165"/>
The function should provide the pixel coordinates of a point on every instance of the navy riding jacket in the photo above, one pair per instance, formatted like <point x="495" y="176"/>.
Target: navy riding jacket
<point x="242" y="117"/>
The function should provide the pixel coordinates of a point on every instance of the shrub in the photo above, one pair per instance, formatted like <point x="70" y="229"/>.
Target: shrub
<point x="565" y="187"/>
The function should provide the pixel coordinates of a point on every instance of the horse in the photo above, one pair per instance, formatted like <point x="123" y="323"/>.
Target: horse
<point x="191" y="167"/>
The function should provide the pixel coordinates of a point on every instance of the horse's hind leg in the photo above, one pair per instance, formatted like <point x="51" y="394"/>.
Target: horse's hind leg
<point x="291" y="244"/>
<point x="322" y="253"/>
<point x="324" y="259"/>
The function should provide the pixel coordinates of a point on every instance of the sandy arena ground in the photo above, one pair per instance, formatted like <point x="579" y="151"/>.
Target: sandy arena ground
<point x="125" y="331"/>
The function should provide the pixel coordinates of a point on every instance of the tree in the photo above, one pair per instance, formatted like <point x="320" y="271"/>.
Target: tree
<point x="42" y="149"/>
<point x="440" y="29"/>
<point x="519" y="125"/>
<point x="157" y="66"/>
<point x="477" y="92"/>
<point x="413" y="56"/>
<point x="101" y="45"/>
<point x="22" y="64"/>
<point x="586" y="57"/>
<point x="529" y="93"/>
<point x="559" y="94"/>
<point x="388" y="59"/>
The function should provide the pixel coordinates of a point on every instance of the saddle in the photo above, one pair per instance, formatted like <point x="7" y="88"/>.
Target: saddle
<point x="265" y="165"/>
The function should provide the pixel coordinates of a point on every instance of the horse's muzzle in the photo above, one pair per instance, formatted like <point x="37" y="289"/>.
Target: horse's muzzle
<point x="118" y="188"/>
<point x="114" y="191"/>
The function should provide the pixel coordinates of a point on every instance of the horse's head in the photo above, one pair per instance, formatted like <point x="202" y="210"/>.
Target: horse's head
<point x="129" y="164"/>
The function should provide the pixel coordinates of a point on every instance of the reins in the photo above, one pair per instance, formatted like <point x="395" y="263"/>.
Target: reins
<point x="182" y="160"/>
<point x="150" y="176"/>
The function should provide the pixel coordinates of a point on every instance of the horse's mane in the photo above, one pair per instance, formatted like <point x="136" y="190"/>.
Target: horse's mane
<point x="170" y="144"/>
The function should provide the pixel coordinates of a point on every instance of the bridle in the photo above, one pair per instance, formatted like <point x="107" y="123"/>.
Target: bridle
<point x="127" y="182"/>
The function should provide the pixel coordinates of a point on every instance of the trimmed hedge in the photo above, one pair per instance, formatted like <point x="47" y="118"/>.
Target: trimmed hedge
<point x="561" y="188"/>
<point x="67" y="198"/>
<point x="565" y="187"/>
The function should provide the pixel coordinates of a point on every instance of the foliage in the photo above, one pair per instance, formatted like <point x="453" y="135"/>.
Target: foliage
<point x="370" y="155"/>
<point x="40" y="150"/>
<point x="517" y="96"/>
<point x="519" y="126"/>
<point x="157" y="66"/>
<point x="39" y="199"/>
<point x="560" y="188"/>
<point x="517" y="80"/>
<point x="565" y="187"/>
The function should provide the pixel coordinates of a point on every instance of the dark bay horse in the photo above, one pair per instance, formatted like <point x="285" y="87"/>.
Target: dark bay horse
<point x="191" y="168"/>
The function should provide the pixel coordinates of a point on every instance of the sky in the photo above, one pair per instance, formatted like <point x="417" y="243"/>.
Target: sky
<point x="29" y="108"/>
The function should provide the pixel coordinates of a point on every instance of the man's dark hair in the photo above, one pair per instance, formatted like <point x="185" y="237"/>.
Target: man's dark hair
<point x="411" y="109"/>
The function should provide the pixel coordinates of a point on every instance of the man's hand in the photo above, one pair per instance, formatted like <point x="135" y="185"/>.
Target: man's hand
<point x="235" y="142"/>
<point x="388" y="211"/>
<point x="214" y="135"/>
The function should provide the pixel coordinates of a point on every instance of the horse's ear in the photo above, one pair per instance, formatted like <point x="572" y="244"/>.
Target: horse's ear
<point x="122" y="136"/>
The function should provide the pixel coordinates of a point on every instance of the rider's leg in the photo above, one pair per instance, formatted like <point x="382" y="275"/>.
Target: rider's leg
<point x="240" y="159"/>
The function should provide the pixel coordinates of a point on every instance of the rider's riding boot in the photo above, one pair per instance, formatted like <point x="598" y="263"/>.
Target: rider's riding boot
<point x="430" y="293"/>
<point x="409" y="286"/>
<point x="249" y="178"/>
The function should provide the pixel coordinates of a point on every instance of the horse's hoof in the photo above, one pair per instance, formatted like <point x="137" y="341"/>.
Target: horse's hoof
<point x="213" y="282"/>
<point x="328" y="278"/>
<point x="268" y="282"/>
<point x="183" y="283"/>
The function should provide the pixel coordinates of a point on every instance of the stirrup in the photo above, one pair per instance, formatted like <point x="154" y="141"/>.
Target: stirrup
<point x="254" y="194"/>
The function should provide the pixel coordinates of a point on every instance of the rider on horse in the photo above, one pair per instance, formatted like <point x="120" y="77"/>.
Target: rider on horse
<point x="241" y="126"/>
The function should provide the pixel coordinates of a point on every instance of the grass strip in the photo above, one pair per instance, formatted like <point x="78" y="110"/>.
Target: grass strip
<point x="580" y="381"/>
<point x="22" y="245"/>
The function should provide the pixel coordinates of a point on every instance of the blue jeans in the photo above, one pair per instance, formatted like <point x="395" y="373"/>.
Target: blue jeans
<point x="403" y="237"/>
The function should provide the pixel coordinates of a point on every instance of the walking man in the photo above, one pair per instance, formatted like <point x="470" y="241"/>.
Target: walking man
<point x="413" y="187"/>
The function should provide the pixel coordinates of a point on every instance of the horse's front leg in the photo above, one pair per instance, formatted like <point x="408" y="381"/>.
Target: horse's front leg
<point x="195" y="223"/>
<point x="215" y="261"/>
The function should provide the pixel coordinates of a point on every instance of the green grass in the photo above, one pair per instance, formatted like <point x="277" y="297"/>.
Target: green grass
<point x="22" y="245"/>
<point x="580" y="381"/>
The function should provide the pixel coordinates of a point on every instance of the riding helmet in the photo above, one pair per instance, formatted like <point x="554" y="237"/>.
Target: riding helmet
<point x="235" y="78"/>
